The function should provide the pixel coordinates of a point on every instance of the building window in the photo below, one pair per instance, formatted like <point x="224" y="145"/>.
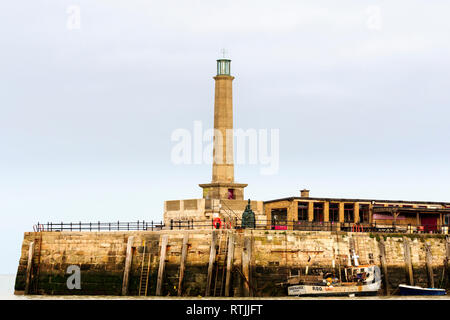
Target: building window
<point x="334" y="212"/>
<point x="231" y="195"/>
<point x="303" y="211"/>
<point x="349" y="212"/>
<point x="364" y="215"/>
<point x="318" y="212"/>
<point x="447" y="219"/>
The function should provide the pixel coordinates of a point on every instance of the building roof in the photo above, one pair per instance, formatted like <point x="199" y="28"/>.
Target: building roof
<point x="358" y="200"/>
<point x="405" y="210"/>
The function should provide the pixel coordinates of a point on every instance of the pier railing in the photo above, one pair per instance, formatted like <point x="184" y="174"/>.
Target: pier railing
<point x="99" y="226"/>
<point x="309" y="226"/>
<point x="236" y="223"/>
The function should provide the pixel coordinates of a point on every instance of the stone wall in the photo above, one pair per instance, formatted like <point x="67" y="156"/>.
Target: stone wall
<point x="274" y="255"/>
<point x="203" y="210"/>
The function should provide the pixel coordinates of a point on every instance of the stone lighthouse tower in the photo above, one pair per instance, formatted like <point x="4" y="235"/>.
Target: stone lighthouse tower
<point x="222" y="197"/>
<point x="222" y="185"/>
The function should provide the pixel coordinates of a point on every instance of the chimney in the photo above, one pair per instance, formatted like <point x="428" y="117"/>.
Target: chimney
<point x="304" y="193"/>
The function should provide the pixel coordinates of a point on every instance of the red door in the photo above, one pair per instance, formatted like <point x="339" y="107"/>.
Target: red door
<point x="429" y="222"/>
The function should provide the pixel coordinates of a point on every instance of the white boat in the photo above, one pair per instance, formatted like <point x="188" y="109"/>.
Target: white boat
<point x="360" y="280"/>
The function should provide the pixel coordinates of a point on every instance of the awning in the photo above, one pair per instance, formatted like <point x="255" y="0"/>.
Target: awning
<point x="380" y="216"/>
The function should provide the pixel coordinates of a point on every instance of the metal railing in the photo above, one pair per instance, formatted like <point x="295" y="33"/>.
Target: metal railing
<point x="204" y="224"/>
<point x="236" y="223"/>
<point x="310" y="226"/>
<point x="360" y="227"/>
<point x="99" y="226"/>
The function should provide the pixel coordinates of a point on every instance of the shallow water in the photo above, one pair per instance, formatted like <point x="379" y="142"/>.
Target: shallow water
<point x="7" y="293"/>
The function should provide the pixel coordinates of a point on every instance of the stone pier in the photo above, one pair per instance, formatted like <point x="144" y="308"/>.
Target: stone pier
<point x="102" y="256"/>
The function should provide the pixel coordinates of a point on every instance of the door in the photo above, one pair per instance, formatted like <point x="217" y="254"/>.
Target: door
<point x="429" y="222"/>
<point x="279" y="219"/>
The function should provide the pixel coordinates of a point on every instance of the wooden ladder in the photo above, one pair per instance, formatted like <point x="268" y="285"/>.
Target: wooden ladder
<point x="359" y="249"/>
<point x="221" y="265"/>
<point x="145" y="270"/>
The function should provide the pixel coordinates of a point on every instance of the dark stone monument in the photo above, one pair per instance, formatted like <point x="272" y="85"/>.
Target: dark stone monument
<point x="248" y="217"/>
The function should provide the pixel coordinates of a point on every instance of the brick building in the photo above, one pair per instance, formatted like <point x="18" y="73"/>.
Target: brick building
<point x="305" y="211"/>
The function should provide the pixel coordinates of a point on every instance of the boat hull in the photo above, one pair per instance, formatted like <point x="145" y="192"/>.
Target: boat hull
<point x="357" y="290"/>
<point x="406" y="290"/>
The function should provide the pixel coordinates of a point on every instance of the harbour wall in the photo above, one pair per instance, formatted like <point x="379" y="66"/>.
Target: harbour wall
<point x="261" y="260"/>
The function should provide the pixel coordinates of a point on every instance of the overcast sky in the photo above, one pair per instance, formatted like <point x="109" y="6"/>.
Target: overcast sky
<point x="358" y="89"/>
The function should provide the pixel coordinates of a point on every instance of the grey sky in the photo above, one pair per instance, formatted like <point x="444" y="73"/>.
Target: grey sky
<point x="86" y="115"/>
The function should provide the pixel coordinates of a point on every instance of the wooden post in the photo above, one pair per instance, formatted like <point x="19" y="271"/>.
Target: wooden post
<point x="341" y="212"/>
<point x="162" y="265"/>
<point x="408" y="263"/>
<point x="445" y="274"/>
<point x="429" y="262"/>
<point x="395" y="213"/>
<point x="246" y="261"/>
<point x="447" y="259"/>
<point x="310" y="211"/>
<point x="183" y="262"/>
<point x="292" y="213"/>
<point x="248" y="245"/>
<point x="356" y="218"/>
<point x="230" y="258"/>
<point x="126" y="272"/>
<point x="29" y="265"/>
<point x="384" y="269"/>
<point x="352" y="247"/>
<point x="326" y="211"/>
<point x="212" y="259"/>
<point x="447" y="247"/>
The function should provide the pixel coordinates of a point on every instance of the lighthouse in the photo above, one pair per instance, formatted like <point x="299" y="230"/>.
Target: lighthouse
<point x="222" y="184"/>
<point x="223" y="197"/>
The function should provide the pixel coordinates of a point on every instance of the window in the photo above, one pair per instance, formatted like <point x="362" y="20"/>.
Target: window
<point x="364" y="215"/>
<point x="303" y="211"/>
<point x="447" y="219"/>
<point x="318" y="212"/>
<point x="334" y="212"/>
<point x="231" y="195"/>
<point x="349" y="212"/>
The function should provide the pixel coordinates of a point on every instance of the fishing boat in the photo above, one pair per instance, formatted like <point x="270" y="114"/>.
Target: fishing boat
<point x="358" y="280"/>
<point x="406" y="290"/>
